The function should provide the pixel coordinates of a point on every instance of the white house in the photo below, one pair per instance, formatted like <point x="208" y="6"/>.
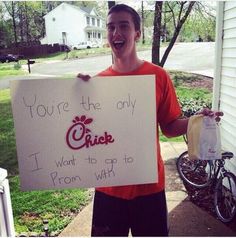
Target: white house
<point x="224" y="90"/>
<point x="70" y="25"/>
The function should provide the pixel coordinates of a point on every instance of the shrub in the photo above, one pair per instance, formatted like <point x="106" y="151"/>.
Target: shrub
<point x="17" y="66"/>
<point x="191" y="106"/>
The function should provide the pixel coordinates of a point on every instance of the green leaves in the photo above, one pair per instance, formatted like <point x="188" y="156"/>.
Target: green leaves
<point x="194" y="91"/>
<point x="193" y="99"/>
<point x="191" y="106"/>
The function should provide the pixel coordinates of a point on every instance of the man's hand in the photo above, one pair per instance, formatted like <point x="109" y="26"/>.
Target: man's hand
<point x="84" y="77"/>
<point x="210" y="113"/>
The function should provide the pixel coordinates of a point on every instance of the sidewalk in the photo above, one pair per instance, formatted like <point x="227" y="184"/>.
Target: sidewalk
<point x="185" y="218"/>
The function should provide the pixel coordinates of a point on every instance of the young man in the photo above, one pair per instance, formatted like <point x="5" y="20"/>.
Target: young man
<point x="141" y="208"/>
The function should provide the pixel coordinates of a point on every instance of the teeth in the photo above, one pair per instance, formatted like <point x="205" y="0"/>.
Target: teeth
<point x="118" y="42"/>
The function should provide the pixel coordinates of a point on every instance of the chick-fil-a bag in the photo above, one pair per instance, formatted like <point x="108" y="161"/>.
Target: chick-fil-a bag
<point x="203" y="138"/>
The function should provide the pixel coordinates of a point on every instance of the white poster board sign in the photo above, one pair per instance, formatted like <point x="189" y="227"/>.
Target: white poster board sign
<point x="71" y="133"/>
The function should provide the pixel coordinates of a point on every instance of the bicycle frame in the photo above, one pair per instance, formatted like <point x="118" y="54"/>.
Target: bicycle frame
<point x="217" y="170"/>
<point x="214" y="175"/>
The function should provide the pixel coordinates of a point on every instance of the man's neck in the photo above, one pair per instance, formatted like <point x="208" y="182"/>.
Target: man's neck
<point x="126" y="65"/>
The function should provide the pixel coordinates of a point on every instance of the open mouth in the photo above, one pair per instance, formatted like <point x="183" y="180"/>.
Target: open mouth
<point x="118" y="44"/>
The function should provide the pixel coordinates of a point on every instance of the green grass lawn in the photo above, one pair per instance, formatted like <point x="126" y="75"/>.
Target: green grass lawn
<point x="58" y="206"/>
<point x="9" y="69"/>
<point x="7" y="134"/>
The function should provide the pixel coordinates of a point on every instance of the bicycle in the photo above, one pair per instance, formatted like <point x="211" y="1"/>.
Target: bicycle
<point x="203" y="173"/>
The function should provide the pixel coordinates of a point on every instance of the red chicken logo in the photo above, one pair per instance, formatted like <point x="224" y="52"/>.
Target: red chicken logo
<point x="79" y="136"/>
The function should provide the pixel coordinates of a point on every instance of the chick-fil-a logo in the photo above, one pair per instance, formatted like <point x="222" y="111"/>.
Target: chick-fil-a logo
<point x="79" y="136"/>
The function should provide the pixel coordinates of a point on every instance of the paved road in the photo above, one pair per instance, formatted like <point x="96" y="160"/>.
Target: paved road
<point x="191" y="57"/>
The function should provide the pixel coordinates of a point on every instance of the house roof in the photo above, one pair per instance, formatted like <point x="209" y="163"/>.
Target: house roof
<point x="87" y="10"/>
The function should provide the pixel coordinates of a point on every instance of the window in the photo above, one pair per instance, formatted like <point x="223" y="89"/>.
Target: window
<point x="98" y="22"/>
<point x="93" y="21"/>
<point x="64" y="38"/>
<point x="99" y="35"/>
<point x="89" y="35"/>
<point x="88" y="21"/>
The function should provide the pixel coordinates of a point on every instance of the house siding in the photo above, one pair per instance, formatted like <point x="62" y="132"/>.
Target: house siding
<point x="66" y="25"/>
<point x="62" y="23"/>
<point x="227" y="86"/>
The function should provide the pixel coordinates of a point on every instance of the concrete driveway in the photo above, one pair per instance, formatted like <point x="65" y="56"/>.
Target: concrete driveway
<point x="195" y="57"/>
<point x="192" y="57"/>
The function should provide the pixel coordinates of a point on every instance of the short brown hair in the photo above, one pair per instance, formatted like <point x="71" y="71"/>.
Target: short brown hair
<point x="130" y="10"/>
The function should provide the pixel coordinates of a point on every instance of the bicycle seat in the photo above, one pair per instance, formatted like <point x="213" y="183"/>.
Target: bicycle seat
<point x="227" y="155"/>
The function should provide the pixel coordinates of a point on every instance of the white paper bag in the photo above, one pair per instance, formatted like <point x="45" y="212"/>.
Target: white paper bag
<point x="203" y="138"/>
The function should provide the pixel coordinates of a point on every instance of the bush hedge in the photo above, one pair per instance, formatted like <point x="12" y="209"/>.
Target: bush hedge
<point x="191" y="106"/>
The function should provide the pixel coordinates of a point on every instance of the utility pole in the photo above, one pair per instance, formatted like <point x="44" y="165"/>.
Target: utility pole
<point x="143" y="41"/>
<point x="110" y="5"/>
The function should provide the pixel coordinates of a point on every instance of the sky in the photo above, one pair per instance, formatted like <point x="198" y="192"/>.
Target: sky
<point x="137" y="3"/>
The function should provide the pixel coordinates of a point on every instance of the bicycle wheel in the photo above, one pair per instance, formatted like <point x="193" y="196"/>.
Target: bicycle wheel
<point x="225" y="197"/>
<point x="194" y="172"/>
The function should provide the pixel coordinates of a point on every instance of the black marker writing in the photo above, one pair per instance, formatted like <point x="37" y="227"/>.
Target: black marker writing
<point x="35" y="157"/>
<point x="128" y="159"/>
<point x="104" y="174"/>
<point x="62" y="180"/>
<point x="42" y="110"/>
<point x="91" y="160"/>
<point x="120" y="105"/>
<point x="88" y="105"/>
<point x="65" y="162"/>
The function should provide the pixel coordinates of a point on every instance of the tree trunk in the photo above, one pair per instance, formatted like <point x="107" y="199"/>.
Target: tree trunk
<point x="143" y="33"/>
<point x="157" y="33"/>
<point x="27" y="24"/>
<point x="164" y="27"/>
<point x="14" y="22"/>
<point x="20" y="14"/>
<point x="110" y="5"/>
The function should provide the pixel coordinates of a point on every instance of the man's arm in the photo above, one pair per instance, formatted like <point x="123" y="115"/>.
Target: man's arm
<point x="179" y="126"/>
<point x="175" y="128"/>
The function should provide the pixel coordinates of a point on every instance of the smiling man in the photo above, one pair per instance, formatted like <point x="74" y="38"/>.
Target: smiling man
<point x="139" y="208"/>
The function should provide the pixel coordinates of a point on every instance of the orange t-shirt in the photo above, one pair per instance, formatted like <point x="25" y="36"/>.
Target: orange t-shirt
<point x="167" y="109"/>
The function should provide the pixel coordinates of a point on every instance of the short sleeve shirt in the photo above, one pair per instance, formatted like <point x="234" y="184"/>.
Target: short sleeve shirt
<point x="167" y="110"/>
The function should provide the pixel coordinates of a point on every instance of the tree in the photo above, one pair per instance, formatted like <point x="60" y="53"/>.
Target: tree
<point x="27" y="21"/>
<point x="201" y="22"/>
<point x="4" y="29"/>
<point x="146" y="19"/>
<point x="179" y="12"/>
<point x="157" y="33"/>
<point x="11" y="8"/>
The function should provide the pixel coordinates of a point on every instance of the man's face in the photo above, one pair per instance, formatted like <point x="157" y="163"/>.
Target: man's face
<point x="121" y="34"/>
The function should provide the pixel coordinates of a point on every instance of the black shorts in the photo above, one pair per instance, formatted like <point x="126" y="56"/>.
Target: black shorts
<point x="144" y="215"/>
